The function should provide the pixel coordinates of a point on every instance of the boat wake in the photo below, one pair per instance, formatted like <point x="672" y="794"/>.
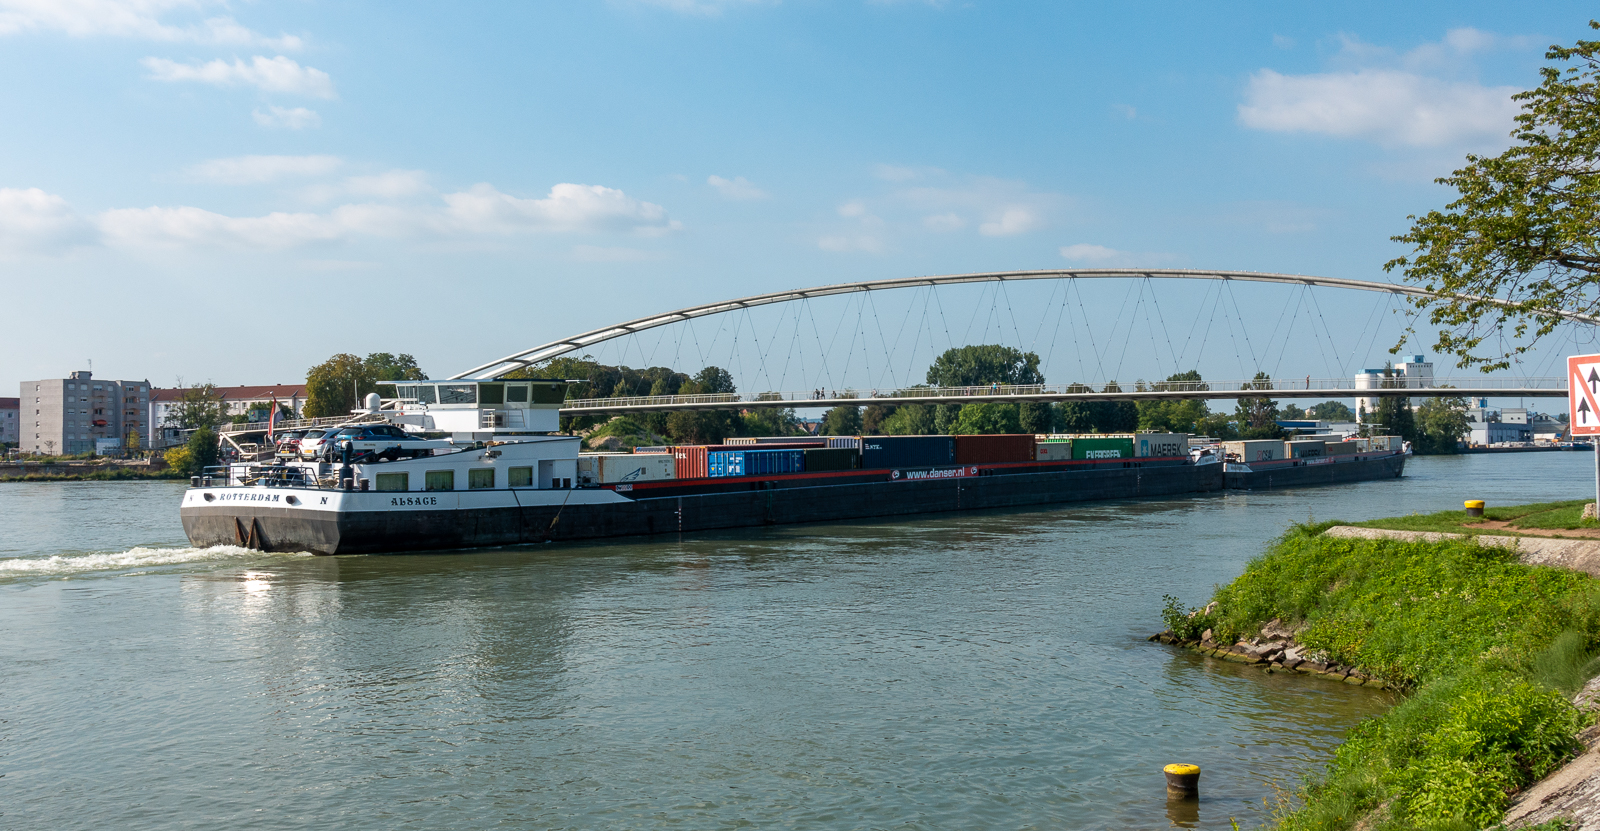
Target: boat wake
<point x="67" y="565"/>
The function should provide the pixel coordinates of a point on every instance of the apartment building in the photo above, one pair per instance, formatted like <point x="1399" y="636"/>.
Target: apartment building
<point x="251" y="401"/>
<point x="9" y="410"/>
<point x="69" y="415"/>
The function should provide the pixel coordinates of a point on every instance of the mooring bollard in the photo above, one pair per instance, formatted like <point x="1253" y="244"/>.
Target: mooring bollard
<point x="1182" y="780"/>
<point x="1474" y="507"/>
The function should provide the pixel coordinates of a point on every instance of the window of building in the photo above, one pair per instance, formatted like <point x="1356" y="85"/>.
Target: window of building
<point x="479" y="478"/>
<point x="520" y="477"/>
<point x="440" y="480"/>
<point x="394" y="481"/>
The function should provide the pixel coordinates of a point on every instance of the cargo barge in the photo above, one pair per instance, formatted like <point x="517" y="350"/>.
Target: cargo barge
<point x="381" y="489"/>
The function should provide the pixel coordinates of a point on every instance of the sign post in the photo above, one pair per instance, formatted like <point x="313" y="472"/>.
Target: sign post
<point x="1583" y="406"/>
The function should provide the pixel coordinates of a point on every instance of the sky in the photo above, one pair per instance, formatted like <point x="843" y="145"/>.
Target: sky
<point x="233" y="191"/>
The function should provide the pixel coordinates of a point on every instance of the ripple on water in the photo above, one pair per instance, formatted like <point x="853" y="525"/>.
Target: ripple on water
<point x="137" y="558"/>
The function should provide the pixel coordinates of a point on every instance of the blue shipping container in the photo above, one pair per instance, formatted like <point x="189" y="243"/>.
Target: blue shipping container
<point x="754" y="462"/>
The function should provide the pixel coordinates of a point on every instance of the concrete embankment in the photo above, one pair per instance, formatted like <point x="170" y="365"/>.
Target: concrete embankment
<point x="1555" y="552"/>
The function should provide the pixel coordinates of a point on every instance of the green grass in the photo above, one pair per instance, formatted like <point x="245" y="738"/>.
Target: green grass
<point x="1488" y="649"/>
<point x="1544" y="515"/>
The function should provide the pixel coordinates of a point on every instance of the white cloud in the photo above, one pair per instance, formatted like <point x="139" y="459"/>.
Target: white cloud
<point x="1085" y="253"/>
<point x="1395" y="99"/>
<point x="568" y="207"/>
<point x="389" y="185"/>
<point x="297" y="118"/>
<point x="1012" y="221"/>
<point x="256" y="170"/>
<point x="899" y="173"/>
<point x="279" y="74"/>
<point x="32" y="220"/>
<point x="186" y="227"/>
<point x="944" y="223"/>
<point x="854" y="209"/>
<point x="1388" y="106"/>
<point x="132" y="18"/>
<point x="738" y="188"/>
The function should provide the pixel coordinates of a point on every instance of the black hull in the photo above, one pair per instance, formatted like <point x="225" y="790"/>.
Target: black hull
<point x="674" y="508"/>
<point x="1300" y="474"/>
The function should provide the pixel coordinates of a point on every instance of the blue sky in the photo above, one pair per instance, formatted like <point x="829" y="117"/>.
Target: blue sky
<point x="233" y="191"/>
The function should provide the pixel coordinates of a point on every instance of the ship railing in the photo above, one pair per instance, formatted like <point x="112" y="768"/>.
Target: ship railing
<point x="271" y="476"/>
<point x="1348" y="385"/>
<point x="303" y="423"/>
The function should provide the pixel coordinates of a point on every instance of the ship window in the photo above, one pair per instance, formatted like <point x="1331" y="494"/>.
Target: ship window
<point x="549" y="393"/>
<point x="491" y="395"/>
<point x="520" y="477"/>
<point x="458" y="393"/>
<point x="517" y="393"/>
<point x="480" y="477"/>
<point x="394" y="481"/>
<point x="425" y="394"/>
<point x="440" y="480"/>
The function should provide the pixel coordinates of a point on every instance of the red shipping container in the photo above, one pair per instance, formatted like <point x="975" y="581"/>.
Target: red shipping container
<point x="994" y="449"/>
<point x="691" y="462"/>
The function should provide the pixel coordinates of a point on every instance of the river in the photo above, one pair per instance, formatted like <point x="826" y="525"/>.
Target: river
<point x="964" y="671"/>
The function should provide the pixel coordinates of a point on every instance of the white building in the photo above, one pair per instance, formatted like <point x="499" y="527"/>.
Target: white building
<point x="9" y="409"/>
<point x="1414" y="373"/>
<point x="252" y="401"/>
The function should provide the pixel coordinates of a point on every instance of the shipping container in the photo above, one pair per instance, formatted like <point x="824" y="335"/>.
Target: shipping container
<point x="722" y="463"/>
<point x="1305" y="448"/>
<point x="844" y="441"/>
<point x="797" y="441"/>
<point x="832" y="458"/>
<point x="691" y="460"/>
<point x="1261" y="450"/>
<point x="1102" y="447"/>
<point x="1341" y="448"/>
<point x="613" y="468"/>
<point x="1161" y="445"/>
<point x="653" y="449"/>
<point x="879" y="452"/>
<point x="1058" y="450"/>
<point x="994" y="448"/>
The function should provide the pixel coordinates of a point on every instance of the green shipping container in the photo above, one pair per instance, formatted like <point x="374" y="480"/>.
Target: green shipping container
<point x="1092" y="448"/>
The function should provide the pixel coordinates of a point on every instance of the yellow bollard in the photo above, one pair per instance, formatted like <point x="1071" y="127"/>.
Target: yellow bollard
<point x="1474" y="507"/>
<point x="1182" y="780"/>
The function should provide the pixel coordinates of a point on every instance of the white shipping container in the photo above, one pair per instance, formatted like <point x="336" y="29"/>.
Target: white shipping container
<point x="617" y="468"/>
<point x="1053" y="451"/>
<point x="845" y="441"/>
<point x="1387" y="443"/>
<point x="1259" y="450"/>
<point x="1306" y="448"/>
<point x="1146" y="445"/>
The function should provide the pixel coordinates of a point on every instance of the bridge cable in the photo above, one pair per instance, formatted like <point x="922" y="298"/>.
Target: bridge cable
<point x="1013" y="312"/>
<point x="818" y="335"/>
<point x="888" y="354"/>
<point x="1211" y="325"/>
<point x="1227" y="318"/>
<point x="1194" y="321"/>
<point x="966" y="338"/>
<point x="788" y="355"/>
<point x="1332" y="346"/>
<point x="1314" y="316"/>
<point x="949" y="342"/>
<point x="1133" y="318"/>
<point x="1099" y="358"/>
<point x="1288" y="334"/>
<point x="1243" y="329"/>
<point x="1176" y="367"/>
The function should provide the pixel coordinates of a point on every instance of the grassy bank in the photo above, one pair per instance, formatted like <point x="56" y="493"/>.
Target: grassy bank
<point x="1489" y="651"/>
<point x="113" y="475"/>
<point x="1508" y="520"/>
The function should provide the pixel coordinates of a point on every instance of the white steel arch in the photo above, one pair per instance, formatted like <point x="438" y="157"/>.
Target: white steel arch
<point x="557" y="348"/>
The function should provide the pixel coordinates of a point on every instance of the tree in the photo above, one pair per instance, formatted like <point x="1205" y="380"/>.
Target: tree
<point x="1525" y="227"/>
<point x="199" y="454"/>
<point x="1394" y="411"/>
<point x="769" y="421"/>
<point x="334" y="386"/>
<point x="1441" y="424"/>
<point x="1175" y="415"/>
<point x="873" y="417"/>
<point x="1293" y="412"/>
<point x="841" y="421"/>
<point x="1114" y="416"/>
<point x="1036" y="417"/>
<point x="971" y="366"/>
<point x="1331" y="411"/>
<point x="1258" y="415"/>
<point x="909" y="420"/>
<point x="1218" y="426"/>
<point x="198" y="406"/>
<point x="1075" y="416"/>
<point x="382" y="366"/>
<point x="988" y="417"/>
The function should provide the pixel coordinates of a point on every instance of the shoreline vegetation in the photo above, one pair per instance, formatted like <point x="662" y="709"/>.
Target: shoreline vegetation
<point x="85" y="472"/>
<point x="1484" y="652"/>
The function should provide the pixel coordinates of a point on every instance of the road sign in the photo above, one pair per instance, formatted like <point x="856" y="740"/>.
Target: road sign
<point x="1583" y="393"/>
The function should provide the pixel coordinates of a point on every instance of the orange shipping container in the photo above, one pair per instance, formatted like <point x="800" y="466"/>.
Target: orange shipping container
<point x="993" y="449"/>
